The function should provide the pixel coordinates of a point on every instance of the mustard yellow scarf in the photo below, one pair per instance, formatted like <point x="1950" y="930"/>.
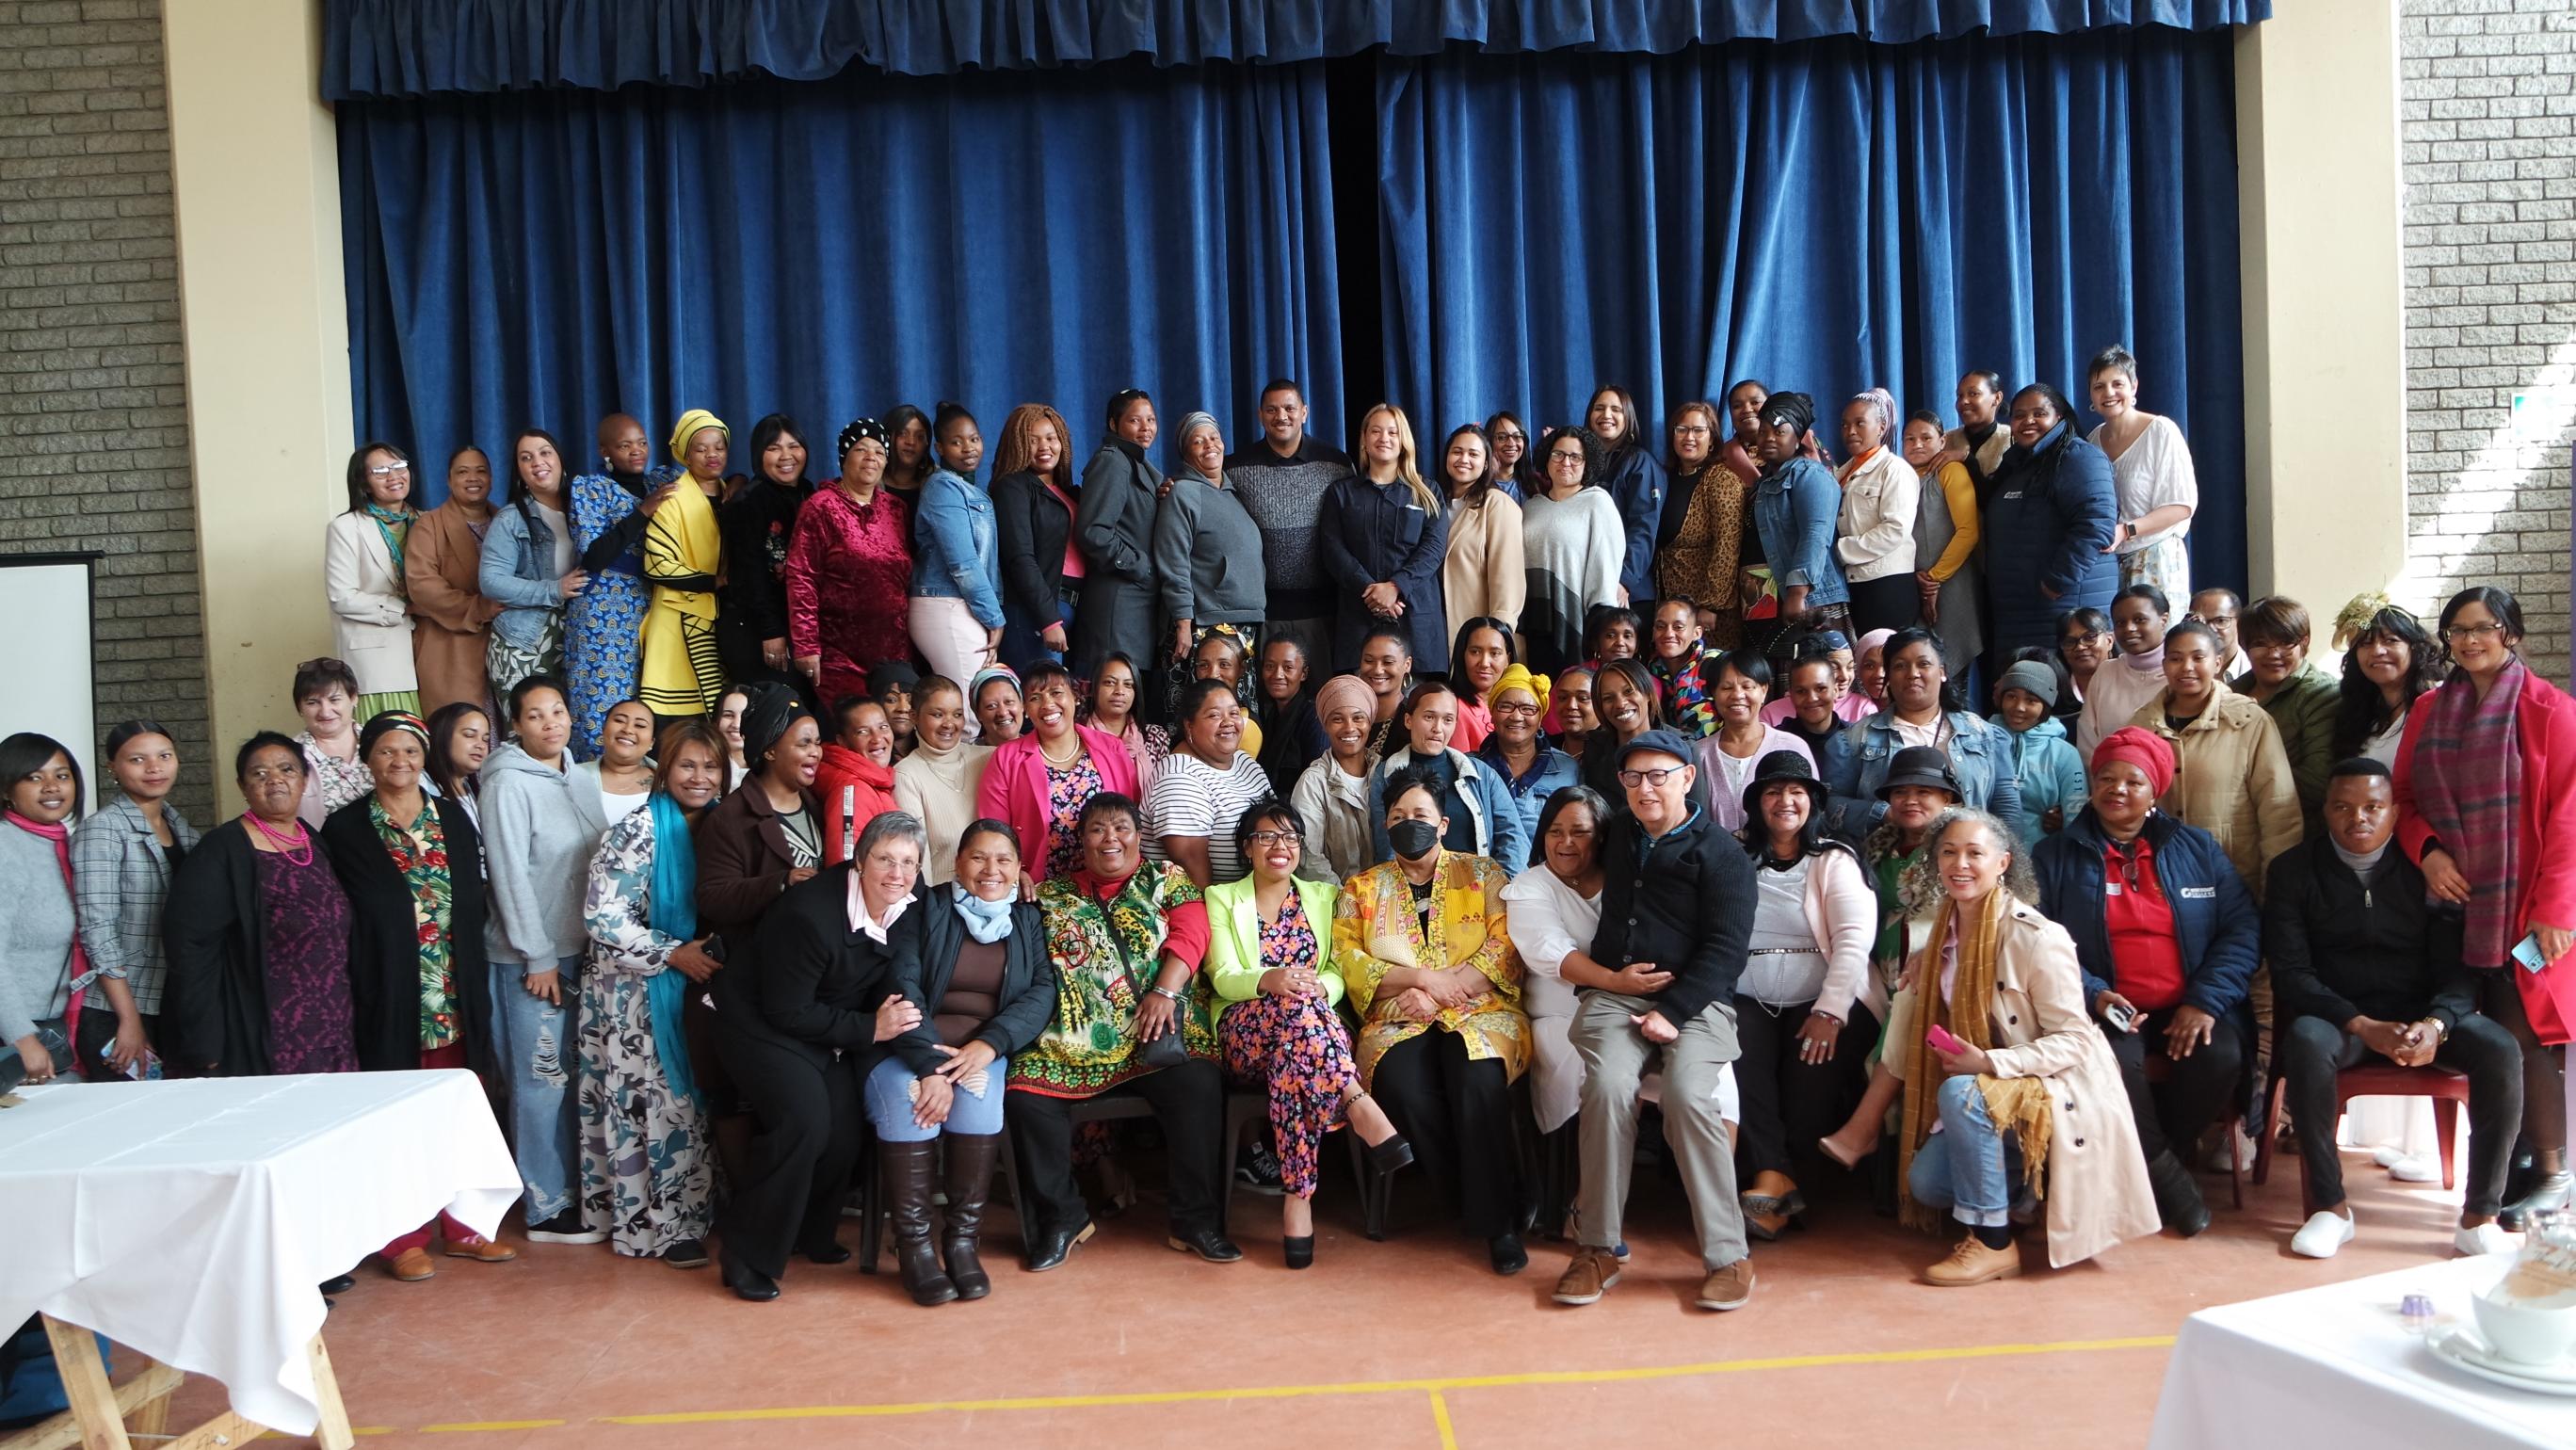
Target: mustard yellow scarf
<point x="2019" y="1105"/>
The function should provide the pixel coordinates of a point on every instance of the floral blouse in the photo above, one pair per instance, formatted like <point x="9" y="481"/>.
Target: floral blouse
<point x="329" y="782"/>
<point x="1093" y="932"/>
<point x="419" y="852"/>
<point x="1069" y="789"/>
<point x="617" y="911"/>
<point x="1376" y="928"/>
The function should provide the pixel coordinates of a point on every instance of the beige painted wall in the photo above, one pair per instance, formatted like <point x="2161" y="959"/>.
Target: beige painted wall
<point x="255" y="172"/>
<point x="2325" y="405"/>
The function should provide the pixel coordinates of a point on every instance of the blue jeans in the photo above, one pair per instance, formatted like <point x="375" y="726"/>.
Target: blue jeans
<point x="532" y="1043"/>
<point x="1969" y="1166"/>
<point x="889" y="1099"/>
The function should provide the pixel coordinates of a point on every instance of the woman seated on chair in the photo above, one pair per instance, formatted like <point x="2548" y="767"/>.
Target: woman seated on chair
<point x="1423" y="947"/>
<point x="1269" y="962"/>
<point x="977" y="970"/>
<point x="1126" y="939"/>
<point x="2167" y="937"/>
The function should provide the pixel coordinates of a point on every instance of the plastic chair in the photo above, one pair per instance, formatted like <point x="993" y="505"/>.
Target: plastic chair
<point x="2377" y="1078"/>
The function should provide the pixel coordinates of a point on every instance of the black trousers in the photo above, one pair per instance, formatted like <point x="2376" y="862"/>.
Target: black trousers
<point x="2174" y="1113"/>
<point x="2314" y="1050"/>
<point x="1790" y="1103"/>
<point x="1190" y="1102"/>
<point x="1457" y="1114"/>
<point x="800" y="1160"/>
<point x="1890" y="603"/>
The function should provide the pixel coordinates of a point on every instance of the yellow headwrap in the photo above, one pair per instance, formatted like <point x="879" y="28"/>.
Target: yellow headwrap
<point x="1518" y="677"/>
<point x="689" y="426"/>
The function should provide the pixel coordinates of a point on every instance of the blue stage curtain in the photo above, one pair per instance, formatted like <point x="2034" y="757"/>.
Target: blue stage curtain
<point x="424" y="47"/>
<point x="1826" y="216"/>
<point x="831" y="249"/>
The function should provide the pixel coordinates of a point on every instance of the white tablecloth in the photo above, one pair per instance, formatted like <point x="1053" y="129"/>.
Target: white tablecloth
<point x="192" y="1220"/>
<point x="2335" y="1367"/>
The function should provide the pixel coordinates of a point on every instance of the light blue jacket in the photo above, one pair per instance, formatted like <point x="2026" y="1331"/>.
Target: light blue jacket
<point x="1794" y="508"/>
<point x="1856" y="760"/>
<point x="960" y="542"/>
<point x="1500" y="833"/>
<point x="2050" y="773"/>
<point x="518" y="572"/>
<point x="1553" y="771"/>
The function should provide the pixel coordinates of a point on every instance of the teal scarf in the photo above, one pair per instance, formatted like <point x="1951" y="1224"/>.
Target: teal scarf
<point x="672" y="910"/>
<point x="395" y="525"/>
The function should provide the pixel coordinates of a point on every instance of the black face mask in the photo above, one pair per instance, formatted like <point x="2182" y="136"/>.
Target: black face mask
<point x="1413" y="840"/>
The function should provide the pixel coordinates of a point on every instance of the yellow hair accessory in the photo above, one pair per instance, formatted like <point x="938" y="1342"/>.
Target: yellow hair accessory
<point x="2356" y="618"/>
<point x="691" y="424"/>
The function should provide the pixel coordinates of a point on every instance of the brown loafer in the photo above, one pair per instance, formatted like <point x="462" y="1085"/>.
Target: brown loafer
<point x="1592" y="1271"/>
<point x="1730" y="1287"/>
<point x="411" y="1266"/>
<point x="484" y="1251"/>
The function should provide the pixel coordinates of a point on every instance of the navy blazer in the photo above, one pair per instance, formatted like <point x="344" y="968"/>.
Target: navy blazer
<point x="1374" y="533"/>
<point x="2215" y="920"/>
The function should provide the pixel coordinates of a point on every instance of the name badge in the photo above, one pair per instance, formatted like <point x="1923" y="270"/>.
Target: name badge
<point x="2200" y="893"/>
<point x="2112" y="887"/>
<point x="2016" y="493"/>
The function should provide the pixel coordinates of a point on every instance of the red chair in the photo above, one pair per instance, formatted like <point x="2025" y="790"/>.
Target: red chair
<point x="2377" y="1078"/>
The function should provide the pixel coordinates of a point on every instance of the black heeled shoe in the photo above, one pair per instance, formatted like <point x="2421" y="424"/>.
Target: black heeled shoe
<point x="747" y="1282"/>
<point x="1298" y="1250"/>
<point x="827" y="1253"/>
<point x="1384" y="1158"/>
<point x="337" y="1284"/>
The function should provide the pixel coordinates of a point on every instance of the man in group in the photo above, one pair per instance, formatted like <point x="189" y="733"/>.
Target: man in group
<point x="1676" y="914"/>
<point x="2218" y="607"/>
<point x="1282" y="479"/>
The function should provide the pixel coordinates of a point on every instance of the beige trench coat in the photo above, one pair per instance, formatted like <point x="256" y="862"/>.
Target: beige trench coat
<point x="2097" y="1174"/>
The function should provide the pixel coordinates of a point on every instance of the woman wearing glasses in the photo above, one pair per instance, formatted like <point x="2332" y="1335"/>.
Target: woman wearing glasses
<point x="1574" y="546"/>
<point x="362" y="571"/>
<point x="2486" y="804"/>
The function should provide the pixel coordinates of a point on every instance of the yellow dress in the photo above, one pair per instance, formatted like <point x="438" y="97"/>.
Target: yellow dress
<point x="1375" y="929"/>
<point x="683" y="554"/>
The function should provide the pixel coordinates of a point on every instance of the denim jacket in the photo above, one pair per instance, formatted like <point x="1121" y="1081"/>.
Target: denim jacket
<point x="961" y="550"/>
<point x="1856" y="758"/>
<point x="1794" y="508"/>
<point x="518" y="572"/>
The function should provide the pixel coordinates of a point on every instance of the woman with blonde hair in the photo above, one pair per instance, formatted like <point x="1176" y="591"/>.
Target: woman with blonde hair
<point x="1382" y="541"/>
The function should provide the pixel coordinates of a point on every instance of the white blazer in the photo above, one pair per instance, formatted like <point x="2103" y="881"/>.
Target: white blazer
<point x="1877" y="523"/>
<point x="369" y="626"/>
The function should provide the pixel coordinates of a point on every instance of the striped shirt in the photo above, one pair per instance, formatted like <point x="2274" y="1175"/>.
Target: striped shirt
<point x="1192" y="798"/>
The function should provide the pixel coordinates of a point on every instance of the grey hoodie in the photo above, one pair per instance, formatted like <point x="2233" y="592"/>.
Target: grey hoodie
<point x="540" y="828"/>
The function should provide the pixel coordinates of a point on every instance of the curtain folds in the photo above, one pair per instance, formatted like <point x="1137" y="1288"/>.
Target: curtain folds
<point x="832" y="249"/>
<point x="1826" y="217"/>
<point x="393" y="48"/>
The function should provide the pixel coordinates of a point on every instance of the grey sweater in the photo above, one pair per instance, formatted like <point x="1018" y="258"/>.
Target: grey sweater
<point x="1207" y="555"/>
<point x="540" y="828"/>
<point x="35" y="934"/>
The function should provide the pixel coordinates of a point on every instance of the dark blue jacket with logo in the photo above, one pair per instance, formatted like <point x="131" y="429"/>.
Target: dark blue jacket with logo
<point x="2051" y="515"/>
<point x="2215" y="920"/>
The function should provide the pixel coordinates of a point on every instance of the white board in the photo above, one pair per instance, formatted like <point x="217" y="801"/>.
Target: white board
<point x="45" y="672"/>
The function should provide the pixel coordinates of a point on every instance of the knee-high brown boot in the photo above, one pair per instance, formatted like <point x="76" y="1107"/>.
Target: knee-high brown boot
<point x="909" y="1169"/>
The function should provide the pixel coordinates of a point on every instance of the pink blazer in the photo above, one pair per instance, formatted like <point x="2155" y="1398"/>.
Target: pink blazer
<point x="1015" y="788"/>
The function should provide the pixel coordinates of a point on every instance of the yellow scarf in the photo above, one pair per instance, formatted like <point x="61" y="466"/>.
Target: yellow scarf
<point x="2019" y="1105"/>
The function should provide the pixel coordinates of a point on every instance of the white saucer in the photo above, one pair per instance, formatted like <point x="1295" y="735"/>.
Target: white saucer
<point x="2460" y="1346"/>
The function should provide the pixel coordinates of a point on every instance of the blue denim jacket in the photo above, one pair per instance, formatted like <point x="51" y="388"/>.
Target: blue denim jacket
<point x="959" y="538"/>
<point x="1856" y="758"/>
<point x="1794" y="506"/>
<point x="518" y="573"/>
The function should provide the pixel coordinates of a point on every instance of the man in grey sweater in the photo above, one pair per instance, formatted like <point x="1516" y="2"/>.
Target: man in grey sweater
<point x="1282" y="480"/>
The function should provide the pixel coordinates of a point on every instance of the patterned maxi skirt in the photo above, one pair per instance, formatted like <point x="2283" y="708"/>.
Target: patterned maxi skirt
<point x="507" y="664"/>
<point x="648" y="1166"/>
<point x="603" y="642"/>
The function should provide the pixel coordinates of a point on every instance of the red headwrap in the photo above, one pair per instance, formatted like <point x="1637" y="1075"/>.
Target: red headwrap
<point x="2145" y="749"/>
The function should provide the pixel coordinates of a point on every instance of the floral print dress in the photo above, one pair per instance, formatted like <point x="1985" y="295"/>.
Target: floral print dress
<point x="1069" y="789"/>
<point x="1294" y="1048"/>
<point x="648" y="1166"/>
<point x="604" y="623"/>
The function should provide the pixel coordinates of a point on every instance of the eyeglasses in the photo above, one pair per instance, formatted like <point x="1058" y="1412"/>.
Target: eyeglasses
<point x="1691" y="430"/>
<point x="2461" y="633"/>
<point x="1559" y="455"/>
<point x="388" y="470"/>
<point x="1517" y="707"/>
<point x="1651" y="779"/>
<point x="1267" y="839"/>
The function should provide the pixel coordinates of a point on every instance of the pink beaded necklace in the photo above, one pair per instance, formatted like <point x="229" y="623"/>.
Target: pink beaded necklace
<point x="286" y="845"/>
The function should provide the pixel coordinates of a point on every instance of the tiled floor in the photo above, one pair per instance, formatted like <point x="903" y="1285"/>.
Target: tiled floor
<point x="1411" y="1342"/>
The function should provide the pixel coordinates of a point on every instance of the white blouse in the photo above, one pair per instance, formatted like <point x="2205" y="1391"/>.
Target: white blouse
<point x="2154" y="472"/>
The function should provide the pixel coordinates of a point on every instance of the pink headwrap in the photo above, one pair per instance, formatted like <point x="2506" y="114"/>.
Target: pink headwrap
<point x="2151" y="753"/>
<point x="1344" y="691"/>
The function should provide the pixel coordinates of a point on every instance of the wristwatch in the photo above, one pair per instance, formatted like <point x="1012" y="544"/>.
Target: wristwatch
<point x="2441" y="1034"/>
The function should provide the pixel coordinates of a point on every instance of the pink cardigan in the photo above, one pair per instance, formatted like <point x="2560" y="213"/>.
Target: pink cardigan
<point x="2545" y="720"/>
<point x="1015" y="788"/>
<point x="1842" y="911"/>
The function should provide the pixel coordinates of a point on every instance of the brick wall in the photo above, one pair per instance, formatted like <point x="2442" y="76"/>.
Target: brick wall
<point x="2487" y="121"/>
<point x="95" y="452"/>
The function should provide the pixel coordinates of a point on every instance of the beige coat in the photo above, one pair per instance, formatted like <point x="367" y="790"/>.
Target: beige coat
<point x="2097" y="1175"/>
<point x="370" y="620"/>
<point x="1485" y="573"/>
<point x="2233" y="780"/>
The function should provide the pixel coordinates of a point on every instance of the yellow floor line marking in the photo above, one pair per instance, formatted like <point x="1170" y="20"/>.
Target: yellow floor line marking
<point x="1440" y="1417"/>
<point x="1376" y="1387"/>
<point x="469" y="1427"/>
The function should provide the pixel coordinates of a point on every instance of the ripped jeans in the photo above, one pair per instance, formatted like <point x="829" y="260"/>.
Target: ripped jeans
<point x="532" y="1044"/>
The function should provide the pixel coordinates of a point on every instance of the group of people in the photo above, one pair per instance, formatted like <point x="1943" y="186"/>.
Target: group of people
<point x="749" y="821"/>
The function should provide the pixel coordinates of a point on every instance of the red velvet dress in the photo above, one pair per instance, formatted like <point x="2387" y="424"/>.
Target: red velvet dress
<point x="849" y="570"/>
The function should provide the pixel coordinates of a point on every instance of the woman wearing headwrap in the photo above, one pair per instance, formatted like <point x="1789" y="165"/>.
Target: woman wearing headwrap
<point x="1331" y="797"/>
<point x="412" y="867"/>
<point x="1517" y="751"/>
<point x="648" y="1172"/>
<point x="2030" y="1105"/>
<point x="1881" y="495"/>
<point x="758" y="525"/>
<point x="1794" y="508"/>
<point x="609" y="512"/>
<point x="765" y="836"/>
<point x="1113" y="527"/>
<point x="1207" y="549"/>
<point x="362" y="573"/>
<point x="955" y="611"/>
<point x="849" y="570"/>
<point x="683" y="554"/>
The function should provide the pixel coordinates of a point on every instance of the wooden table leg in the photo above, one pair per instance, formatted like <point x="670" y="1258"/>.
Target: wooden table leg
<point x="96" y="1419"/>
<point x="93" y="1399"/>
<point x="332" y="1429"/>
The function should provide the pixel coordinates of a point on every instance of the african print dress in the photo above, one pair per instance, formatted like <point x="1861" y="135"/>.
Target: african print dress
<point x="683" y="553"/>
<point x="419" y="853"/>
<point x="604" y="623"/>
<point x="1090" y="1046"/>
<point x="648" y="1167"/>
<point x="1376" y="927"/>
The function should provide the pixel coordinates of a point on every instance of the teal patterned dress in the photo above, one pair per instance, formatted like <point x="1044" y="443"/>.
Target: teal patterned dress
<point x="648" y="1166"/>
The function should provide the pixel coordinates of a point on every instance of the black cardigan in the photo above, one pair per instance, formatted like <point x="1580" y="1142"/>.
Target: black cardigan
<point x="384" y="953"/>
<point x="1688" y="910"/>
<point x="809" y="985"/>
<point x="755" y="526"/>
<point x="1034" y="525"/>
<point x="928" y="962"/>
<point x="2340" y="950"/>
<point x="214" y="1008"/>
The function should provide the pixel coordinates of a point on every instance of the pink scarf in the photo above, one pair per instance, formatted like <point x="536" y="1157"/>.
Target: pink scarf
<point x="61" y="836"/>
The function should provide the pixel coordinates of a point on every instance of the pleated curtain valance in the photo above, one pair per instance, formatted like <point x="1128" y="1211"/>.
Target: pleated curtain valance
<point x="406" y="48"/>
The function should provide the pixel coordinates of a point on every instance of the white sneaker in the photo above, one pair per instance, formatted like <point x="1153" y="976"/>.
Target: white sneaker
<point x="2413" y="1170"/>
<point x="2324" y="1232"/>
<point x="2486" y="1238"/>
<point x="2385" y="1157"/>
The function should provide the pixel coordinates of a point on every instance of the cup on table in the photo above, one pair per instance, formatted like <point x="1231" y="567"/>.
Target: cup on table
<point x="2524" y="1331"/>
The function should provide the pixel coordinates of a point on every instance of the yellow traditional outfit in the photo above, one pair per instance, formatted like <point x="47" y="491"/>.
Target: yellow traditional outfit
<point x="683" y="555"/>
